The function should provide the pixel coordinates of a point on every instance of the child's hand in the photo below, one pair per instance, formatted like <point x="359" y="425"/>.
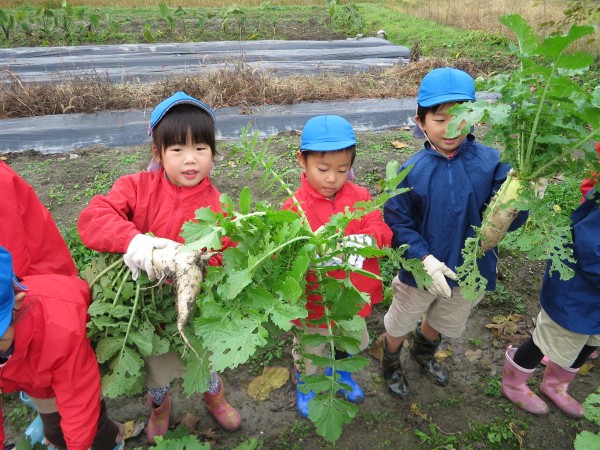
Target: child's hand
<point x="357" y="241"/>
<point x="438" y="271"/>
<point x="139" y="254"/>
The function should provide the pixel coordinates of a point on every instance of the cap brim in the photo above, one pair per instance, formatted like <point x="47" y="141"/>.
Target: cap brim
<point x="448" y="98"/>
<point x="328" y="146"/>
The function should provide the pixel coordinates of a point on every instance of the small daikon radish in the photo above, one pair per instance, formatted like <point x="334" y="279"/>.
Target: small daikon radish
<point x="498" y="217"/>
<point x="186" y="269"/>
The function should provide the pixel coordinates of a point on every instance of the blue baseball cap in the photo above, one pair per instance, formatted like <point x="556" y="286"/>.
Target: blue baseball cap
<point x="8" y="284"/>
<point x="176" y="99"/>
<point x="445" y="86"/>
<point x="326" y="134"/>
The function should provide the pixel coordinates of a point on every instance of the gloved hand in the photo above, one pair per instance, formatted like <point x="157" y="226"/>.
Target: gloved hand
<point x="540" y="186"/>
<point x="357" y="241"/>
<point x="139" y="254"/>
<point x="438" y="271"/>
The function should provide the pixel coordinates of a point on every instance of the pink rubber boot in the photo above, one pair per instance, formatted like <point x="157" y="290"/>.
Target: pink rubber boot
<point x="554" y="385"/>
<point x="158" y="425"/>
<point x="514" y="386"/>
<point x="221" y="410"/>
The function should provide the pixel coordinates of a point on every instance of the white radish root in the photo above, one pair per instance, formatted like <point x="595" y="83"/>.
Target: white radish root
<point x="498" y="216"/>
<point x="186" y="269"/>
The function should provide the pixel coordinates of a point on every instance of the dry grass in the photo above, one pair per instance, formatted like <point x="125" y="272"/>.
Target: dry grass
<point x="236" y="86"/>
<point x="478" y="15"/>
<point x="154" y="4"/>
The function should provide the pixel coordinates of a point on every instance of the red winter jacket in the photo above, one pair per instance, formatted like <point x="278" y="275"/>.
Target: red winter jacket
<point x="141" y="203"/>
<point x="28" y="231"/>
<point x="318" y="211"/>
<point x="52" y="356"/>
<point x="589" y="183"/>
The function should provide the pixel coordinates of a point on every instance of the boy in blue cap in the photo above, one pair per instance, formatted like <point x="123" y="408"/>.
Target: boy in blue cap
<point x="326" y="154"/>
<point x="451" y="181"/>
<point x="44" y="352"/>
<point x="159" y="201"/>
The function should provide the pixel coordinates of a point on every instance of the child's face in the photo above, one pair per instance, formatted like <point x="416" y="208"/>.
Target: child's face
<point x="326" y="172"/>
<point x="435" y="124"/>
<point x="188" y="164"/>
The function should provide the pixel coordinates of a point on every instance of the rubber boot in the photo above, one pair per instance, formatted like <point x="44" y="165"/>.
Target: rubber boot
<point x="554" y="385"/>
<point x="514" y="385"/>
<point x="158" y="425"/>
<point x="423" y="351"/>
<point x="356" y="395"/>
<point x="35" y="430"/>
<point x="392" y="372"/>
<point x="302" y="399"/>
<point x="221" y="410"/>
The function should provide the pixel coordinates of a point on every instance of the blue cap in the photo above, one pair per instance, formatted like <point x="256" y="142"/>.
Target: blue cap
<point x="445" y="86"/>
<point x="8" y="283"/>
<point x="175" y="99"/>
<point x="326" y="134"/>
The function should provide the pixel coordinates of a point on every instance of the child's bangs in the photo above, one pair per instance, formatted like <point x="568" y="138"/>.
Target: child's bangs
<point x="182" y="122"/>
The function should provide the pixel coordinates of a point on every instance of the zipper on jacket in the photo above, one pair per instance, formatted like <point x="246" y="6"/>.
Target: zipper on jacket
<point x="173" y="212"/>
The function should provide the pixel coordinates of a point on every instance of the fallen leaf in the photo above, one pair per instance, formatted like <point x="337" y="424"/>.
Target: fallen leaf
<point x="586" y="367"/>
<point x="444" y="350"/>
<point x="376" y="349"/>
<point x="209" y="436"/>
<point x="272" y="378"/>
<point x="400" y="144"/>
<point x="132" y="429"/>
<point x="189" y="420"/>
<point x="473" y="355"/>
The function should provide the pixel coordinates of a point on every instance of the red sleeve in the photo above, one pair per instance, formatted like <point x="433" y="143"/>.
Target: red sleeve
<point x="28" y="231"/>
<point x="589" y="183"/>
<point x="373" y="225"/>
<point x="105" y="224"/>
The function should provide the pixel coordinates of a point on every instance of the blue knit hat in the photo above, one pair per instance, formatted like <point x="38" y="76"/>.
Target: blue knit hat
<point x="176" y="99"/>
<point x="8" y="283"/>
<point x="445" y="86"/>
<point x="327" y="134"/>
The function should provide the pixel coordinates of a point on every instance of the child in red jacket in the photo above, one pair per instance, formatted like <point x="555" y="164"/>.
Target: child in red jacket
<point x="160" y="201"/>
<point x="326" y="154"/>
<point x="44" y="352"/>
<point x="39" y="253"/>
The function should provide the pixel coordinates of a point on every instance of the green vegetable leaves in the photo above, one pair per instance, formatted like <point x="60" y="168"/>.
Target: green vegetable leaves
<point x="546" y="120"/>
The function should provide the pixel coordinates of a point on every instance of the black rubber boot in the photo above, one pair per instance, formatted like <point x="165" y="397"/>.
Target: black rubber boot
<point x="392" y="372"/>
<point x="422" y="351"/>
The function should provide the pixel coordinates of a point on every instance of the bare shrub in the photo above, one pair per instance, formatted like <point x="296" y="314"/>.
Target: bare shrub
<point x="235" y="85"/>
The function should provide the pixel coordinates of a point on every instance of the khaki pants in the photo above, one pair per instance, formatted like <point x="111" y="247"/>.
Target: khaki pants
<point x="559" y="344"/>
<point x="446" y="315"/>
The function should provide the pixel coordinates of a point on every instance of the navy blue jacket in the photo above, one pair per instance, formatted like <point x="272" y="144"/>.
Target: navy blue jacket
<point x="447" y="199"/>
<point x="575" y="304"/>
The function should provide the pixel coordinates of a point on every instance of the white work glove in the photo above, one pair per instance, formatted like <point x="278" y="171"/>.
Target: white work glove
<point x="334" y="261"/>
<point x="357" y="241"/>
<point x="438" y="271"/>
<point x="139" y="254"/>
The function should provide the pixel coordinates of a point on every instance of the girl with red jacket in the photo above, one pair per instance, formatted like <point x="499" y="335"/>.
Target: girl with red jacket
<point x="159" y="201"/>
<point x="326" y="154"/>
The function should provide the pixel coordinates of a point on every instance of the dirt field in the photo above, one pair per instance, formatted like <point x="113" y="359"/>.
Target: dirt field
<point x="468" y="413"/>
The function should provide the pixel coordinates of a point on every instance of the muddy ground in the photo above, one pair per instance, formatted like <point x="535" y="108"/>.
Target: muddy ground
<point x="469" y="413"/>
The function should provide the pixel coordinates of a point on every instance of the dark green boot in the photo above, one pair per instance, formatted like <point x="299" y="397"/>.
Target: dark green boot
<point x="392" y="372"/>
<point x="422" y="351"/>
